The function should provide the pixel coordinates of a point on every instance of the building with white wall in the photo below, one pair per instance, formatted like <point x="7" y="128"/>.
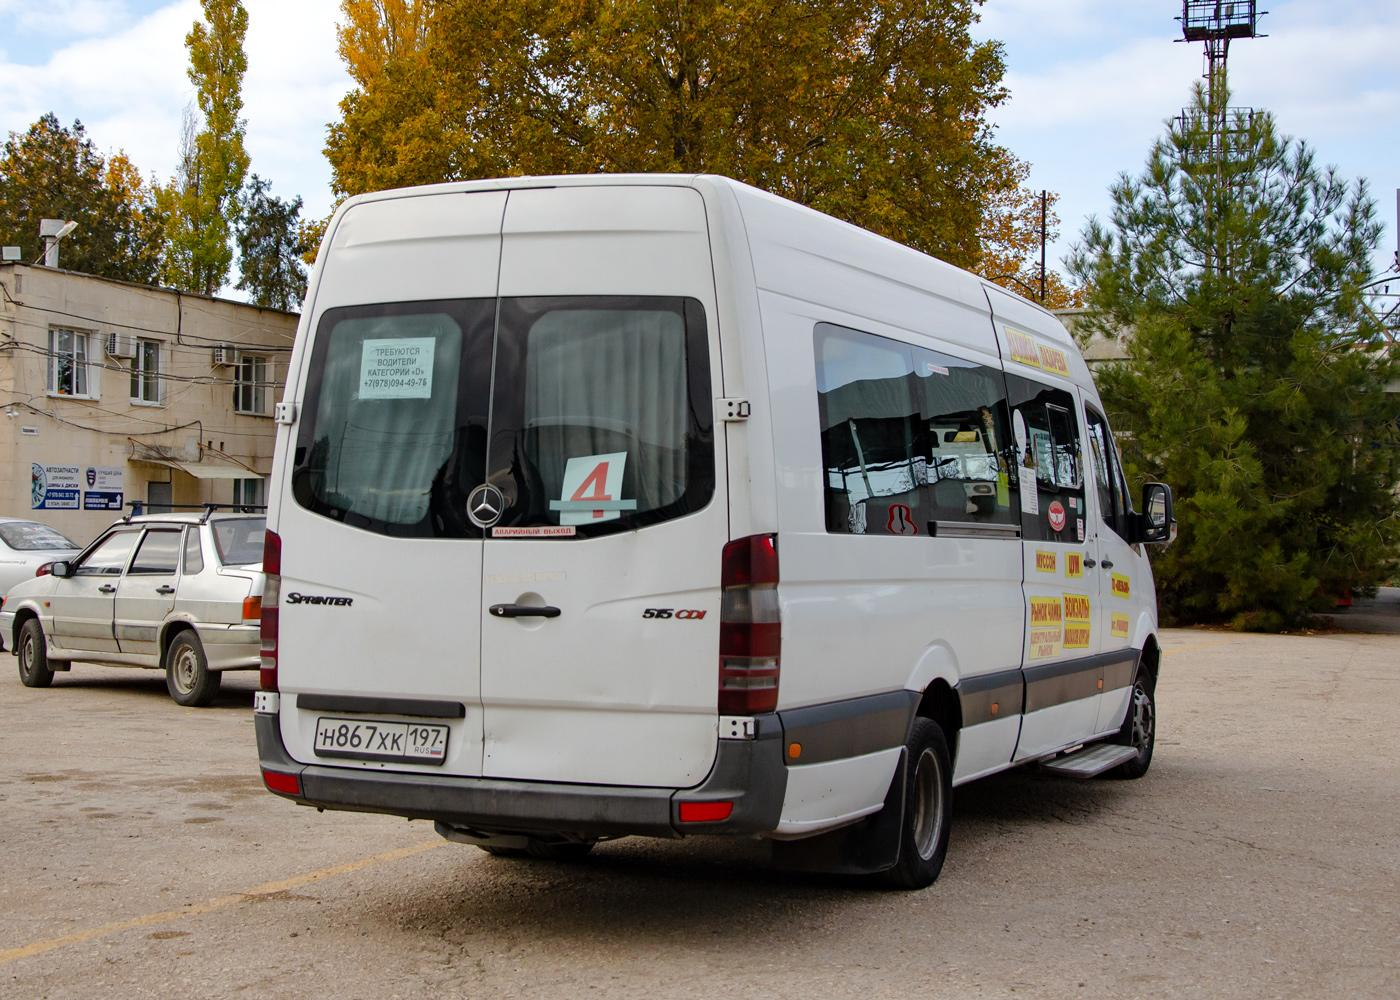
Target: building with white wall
<point x="114" y="392"/>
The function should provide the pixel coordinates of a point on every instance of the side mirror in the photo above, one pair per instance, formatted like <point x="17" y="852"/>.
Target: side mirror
<point x="62" y="569"/>
<point x="1158" y="519"/>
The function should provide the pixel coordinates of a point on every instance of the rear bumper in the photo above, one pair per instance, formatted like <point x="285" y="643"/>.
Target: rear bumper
<point x="749" y="773"/>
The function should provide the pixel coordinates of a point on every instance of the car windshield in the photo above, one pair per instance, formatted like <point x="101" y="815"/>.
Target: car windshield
<point x="31" y="536"/>
<point x="240" y="540"/>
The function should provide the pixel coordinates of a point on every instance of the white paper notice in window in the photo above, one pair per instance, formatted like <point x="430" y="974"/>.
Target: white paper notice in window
<point x="401" y="368"/>
<point x="591" y="490"/>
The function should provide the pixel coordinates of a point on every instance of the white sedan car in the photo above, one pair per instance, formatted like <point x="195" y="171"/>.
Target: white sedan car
<point x="27" y="545"/>
<point x="179" y="592"/>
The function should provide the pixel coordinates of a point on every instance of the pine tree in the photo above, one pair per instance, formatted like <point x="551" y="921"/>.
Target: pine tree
<point x="270" y="248"/>
<point x="1255" y="385"/>
<point x="213" y="163"/>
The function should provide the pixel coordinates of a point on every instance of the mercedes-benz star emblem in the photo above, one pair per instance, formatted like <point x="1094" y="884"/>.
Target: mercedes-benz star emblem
<point x="484" y="506"/>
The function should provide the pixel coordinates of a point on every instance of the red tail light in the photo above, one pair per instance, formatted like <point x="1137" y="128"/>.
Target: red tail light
<point x="704" y="812"/>
<point x="44" y="570"/>
<point x="287" y="784"/>
<point x="750" y="630"/>
<point x="272" y="573"/>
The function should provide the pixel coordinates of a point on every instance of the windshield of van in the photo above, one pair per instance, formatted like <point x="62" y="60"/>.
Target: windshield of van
<point x="240" y="540"/>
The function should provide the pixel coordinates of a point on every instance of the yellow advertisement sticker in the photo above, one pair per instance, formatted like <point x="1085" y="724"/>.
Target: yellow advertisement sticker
<point x="1077" y="611"/>
<point x="1023" y="347"/>
<point x="1122" y="586"/>
<point x="1052" y="359"/>
<point x="1077" y="608"/>
<point x="1120" y="626"/>
<point x="1074" y="565"/>
<point x="1044" y="562"/>
<point x="1045" y="628"/>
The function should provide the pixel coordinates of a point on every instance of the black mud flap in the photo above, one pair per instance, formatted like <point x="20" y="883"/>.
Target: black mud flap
<point x="867" y="846"/>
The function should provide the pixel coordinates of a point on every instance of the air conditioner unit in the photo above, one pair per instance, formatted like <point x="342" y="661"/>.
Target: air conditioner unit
<point x="121" y="345"/>
<point x="225" y="354"/>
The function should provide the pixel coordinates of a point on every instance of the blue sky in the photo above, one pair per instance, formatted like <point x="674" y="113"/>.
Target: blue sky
<point x="1091" y="82"/>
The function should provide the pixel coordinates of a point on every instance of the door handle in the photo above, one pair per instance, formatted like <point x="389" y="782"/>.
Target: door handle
<point x="1107" y="564"/>
<point x="523" y="611"/>
<point x="1089" y="562"/>
<point x="165" y="588"/>
<point x="107" y="588"/>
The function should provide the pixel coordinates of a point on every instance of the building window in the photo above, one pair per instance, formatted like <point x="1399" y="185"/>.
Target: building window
<point x="249" y="492"/>
<point x="68" y="363"/>
<point x="250" y="384"/>
<point x="145" y="372"/>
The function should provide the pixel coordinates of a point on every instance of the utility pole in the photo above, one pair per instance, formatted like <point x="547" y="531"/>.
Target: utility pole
<point x="1044" y="196"/>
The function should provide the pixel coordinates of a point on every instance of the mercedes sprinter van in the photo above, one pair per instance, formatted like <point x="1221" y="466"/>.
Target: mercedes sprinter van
<point x="659" y="505"/>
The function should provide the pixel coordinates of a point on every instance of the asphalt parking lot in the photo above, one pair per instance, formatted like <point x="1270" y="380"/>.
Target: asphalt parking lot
<point x="139" y="856"/>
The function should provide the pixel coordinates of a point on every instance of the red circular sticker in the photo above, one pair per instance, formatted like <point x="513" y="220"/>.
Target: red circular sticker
<point x="1057" y="516"/>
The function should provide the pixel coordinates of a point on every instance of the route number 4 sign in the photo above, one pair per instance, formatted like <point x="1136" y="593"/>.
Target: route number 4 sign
<point x="592" y="489"/>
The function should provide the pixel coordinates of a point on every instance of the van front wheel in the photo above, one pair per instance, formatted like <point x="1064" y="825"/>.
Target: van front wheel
<point x="928" y="815"/>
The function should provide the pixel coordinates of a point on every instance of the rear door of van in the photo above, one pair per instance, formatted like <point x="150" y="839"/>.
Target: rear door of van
<point x="381" y="564"/>
<point x="600" y="593"/>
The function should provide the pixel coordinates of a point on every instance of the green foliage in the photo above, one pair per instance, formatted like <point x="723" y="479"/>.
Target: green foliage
<point x="52" y="172"/>
<point x="871" y="110"/>
<point x="270" y="248"/>
<point x="1256" y="380"/>
<point x="204" y="201"/>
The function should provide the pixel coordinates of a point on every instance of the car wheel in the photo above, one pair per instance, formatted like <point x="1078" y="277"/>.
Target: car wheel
<point x="928" y="814"/>
<point x="33" y="656"/>
<point x="1139" y="729"/>
<point x="187" y="675"/>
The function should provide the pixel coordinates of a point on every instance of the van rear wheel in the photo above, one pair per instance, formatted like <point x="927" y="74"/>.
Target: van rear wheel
<point x="928" y="814"/>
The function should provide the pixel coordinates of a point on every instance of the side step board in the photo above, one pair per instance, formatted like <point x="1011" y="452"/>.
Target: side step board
<point x="1091" y="761"/>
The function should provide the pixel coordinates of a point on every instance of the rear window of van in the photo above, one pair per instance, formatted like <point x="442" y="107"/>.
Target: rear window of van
<point x="588" y="414"/>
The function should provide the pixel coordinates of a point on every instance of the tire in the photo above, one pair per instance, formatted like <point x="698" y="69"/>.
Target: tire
<point x="33" y="656"/>
<point x="1139" y="729"/>
<point x="187" y="675"/>
<point x="928" y="814"/>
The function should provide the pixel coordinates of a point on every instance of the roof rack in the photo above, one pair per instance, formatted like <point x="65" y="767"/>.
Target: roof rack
<point x="208" y="508"/>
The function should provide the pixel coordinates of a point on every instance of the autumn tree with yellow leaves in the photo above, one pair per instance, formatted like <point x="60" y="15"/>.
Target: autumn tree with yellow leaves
<point x="871" y="110"/>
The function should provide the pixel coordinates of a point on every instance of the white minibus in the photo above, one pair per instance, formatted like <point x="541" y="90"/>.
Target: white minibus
<point x="659" y="505"/>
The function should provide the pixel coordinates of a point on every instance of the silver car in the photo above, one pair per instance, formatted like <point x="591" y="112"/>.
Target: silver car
<point x="27" y="545"/>
<point x="179" y="592"/>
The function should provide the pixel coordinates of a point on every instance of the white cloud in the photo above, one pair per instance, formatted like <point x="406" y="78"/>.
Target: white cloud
<point x="63" y="17"/>
<point x="128" y="85"/>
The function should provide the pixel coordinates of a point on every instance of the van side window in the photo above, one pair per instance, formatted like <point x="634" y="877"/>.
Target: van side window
<point x="1049" y="453"/>
<point x="910" y="437"/>
<point x="1108" y="473"/>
